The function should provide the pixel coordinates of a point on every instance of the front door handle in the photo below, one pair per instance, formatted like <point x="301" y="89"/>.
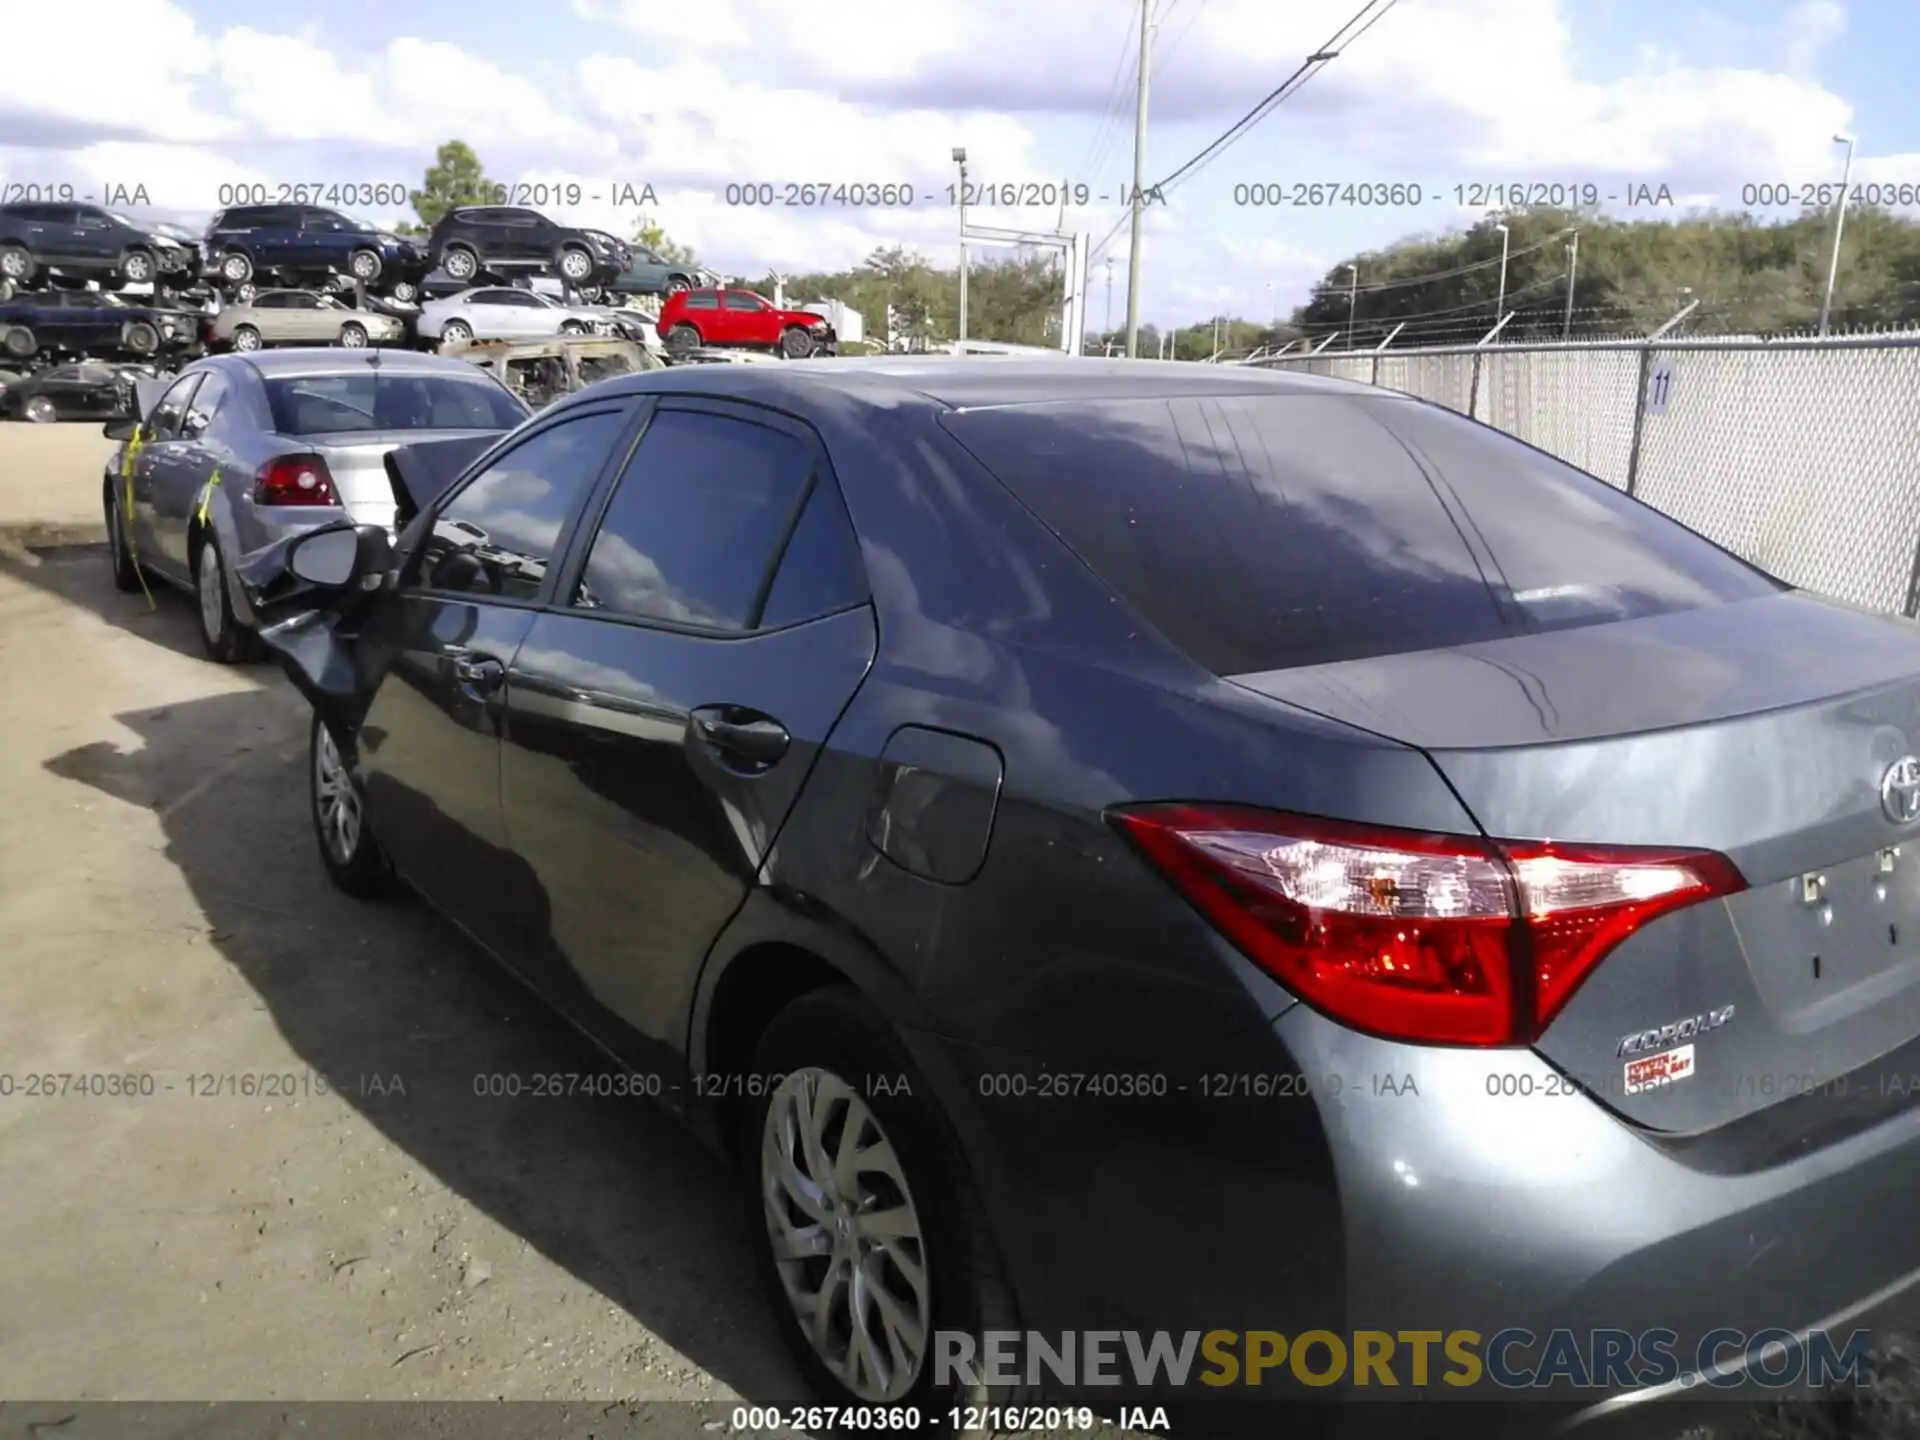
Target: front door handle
<point x="744" y="739"/>
<point x="478" y="672"/>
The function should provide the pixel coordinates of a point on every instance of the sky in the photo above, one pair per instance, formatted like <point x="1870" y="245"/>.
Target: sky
<point x="596" y="100"/>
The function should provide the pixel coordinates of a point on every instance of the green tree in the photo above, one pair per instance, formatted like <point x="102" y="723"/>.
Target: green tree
<point x="455" y="178"/>
<point x="647" y="232"/>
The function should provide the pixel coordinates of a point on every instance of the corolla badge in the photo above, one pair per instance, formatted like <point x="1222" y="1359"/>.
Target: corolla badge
<point x="1900" y="791"/>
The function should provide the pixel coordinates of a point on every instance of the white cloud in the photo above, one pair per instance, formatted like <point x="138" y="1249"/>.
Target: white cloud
<point x="688" y="99"/>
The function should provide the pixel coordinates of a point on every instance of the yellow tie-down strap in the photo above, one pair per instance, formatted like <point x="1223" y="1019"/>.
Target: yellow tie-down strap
<point x="206" y="496"/>
<point x="127" y="458"/>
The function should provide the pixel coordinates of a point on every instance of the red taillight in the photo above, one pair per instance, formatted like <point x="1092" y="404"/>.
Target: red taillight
<point x="294" y="480"/>
<point x="1441" y="939"/>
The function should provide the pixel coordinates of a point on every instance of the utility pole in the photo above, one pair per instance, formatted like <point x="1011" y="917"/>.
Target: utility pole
<point x="1353" y="299"/>
<point x="1139" y="181"/>
<point x="960" y="159"/>
<point x="1839" y="223"/>
<point x="1500" y="305"/>
<point x="1109" y="326"/>
<point x="1573" y="265"/>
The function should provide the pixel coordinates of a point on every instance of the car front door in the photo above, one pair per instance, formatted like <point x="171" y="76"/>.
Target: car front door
<point x="749" y="319"/>
<point x="158" y="482"/>
<point x="96" y="242"/>
<point x="664" y="713"/>
<point x="466" y="596"/>
<point x="309" y="321"/>
<point x="319" y="243"/>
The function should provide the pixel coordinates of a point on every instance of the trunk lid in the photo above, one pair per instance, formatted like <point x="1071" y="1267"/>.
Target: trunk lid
<point x="358" y="466"/>
<point x="1765" y="730"/>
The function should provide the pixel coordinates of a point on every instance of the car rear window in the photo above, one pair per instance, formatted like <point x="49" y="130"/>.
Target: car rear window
<point x="1269" y="531"/>
<point x="367" y="400"/>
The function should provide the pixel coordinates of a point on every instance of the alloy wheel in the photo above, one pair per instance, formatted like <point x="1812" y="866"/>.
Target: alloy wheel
<point x="41" y="410"/>
<point x="336" y="803"/>
<point x="246" y="338"/>
<point x="846" y="1236"/>
<point x="209" y="585"/>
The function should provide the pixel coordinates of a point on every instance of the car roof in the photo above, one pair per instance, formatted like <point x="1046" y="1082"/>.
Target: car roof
<point x="295" y="362"/>
<point x="980" y="381"/>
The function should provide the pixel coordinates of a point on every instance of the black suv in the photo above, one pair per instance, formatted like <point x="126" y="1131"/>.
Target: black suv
<point x="86" y="240"/>
<point x="500" y="239"/>
<point x="298" y="242"/>
<point x="87" y="322"/>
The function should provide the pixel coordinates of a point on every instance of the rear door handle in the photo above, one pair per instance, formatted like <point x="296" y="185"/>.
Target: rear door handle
<point x="478" y="672"/>
<point x="743" y="739"/>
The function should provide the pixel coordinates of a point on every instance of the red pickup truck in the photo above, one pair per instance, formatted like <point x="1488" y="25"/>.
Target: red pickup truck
<point x="693" y="318"/>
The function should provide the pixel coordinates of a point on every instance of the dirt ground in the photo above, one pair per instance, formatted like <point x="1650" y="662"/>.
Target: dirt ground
<point x="370" y="1229"/>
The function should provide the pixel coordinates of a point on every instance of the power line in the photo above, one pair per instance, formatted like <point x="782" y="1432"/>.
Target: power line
<point x="1441" y="274"/>
<point x="1308" y="68"/>
<point x="1168" y="49"/>
<point x="1110" y="109"/>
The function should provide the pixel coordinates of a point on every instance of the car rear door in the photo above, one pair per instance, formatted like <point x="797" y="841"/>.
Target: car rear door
<point x="467" y="594"/>
<point x="710" y="627"/>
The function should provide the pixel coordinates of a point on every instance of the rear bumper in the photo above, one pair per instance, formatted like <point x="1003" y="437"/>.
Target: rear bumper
<point x="1418" y="1189"/>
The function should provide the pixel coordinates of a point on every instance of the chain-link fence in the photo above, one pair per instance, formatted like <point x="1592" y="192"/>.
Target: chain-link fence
<point x="1801" y="455"/>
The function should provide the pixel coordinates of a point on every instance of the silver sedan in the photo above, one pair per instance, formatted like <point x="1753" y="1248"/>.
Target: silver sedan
<point x="502" y="312"/>
<point x="238" y="451"/>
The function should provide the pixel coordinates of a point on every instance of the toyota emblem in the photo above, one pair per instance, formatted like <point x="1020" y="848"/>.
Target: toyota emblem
<point x="1900" y="791"/>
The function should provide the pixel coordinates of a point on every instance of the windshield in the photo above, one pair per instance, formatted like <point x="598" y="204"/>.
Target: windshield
<point x="366" y="400"/>
<point x="126" y="220"/>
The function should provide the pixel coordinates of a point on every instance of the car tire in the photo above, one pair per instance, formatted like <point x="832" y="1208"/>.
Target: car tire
<point x="574" y="265"/>
<point x="683" y="340"/>
<point x="574" y="327"/>
<point x="353" y="857"/>
<point x="6" y="288"/>
<point x="456" y="332"/>
<point x="140" y="339"/>
<point x="16" y="264"/>
<point x="831" y="1046"/>
<point x="353" y="335"/>
<point x="364" y="265"/>
<point x="795" y="343"/>
<point x="226" y="640"/>
<point x="235" y="268"/>
<point x="406" y="292"/>
<point x="137" y="267"/>
<point x="40" y="410"/>
<point x="126" y="571"/>
<point x="246" y="339"/>
<point x="678" y="285"/>
<point x="460" y="263"/>
<point x="20" y="343"/>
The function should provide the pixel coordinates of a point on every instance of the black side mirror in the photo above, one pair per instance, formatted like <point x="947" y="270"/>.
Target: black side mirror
<point x="342" y="556"/>
<point x="120" y="429"/>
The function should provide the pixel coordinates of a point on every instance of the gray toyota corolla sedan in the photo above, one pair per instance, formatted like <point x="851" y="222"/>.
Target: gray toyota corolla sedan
<point x="240" y="450"/>
<point x="1117" y="847"/>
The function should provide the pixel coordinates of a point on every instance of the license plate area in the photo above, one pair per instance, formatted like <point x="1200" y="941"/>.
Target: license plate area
<point x="1819" y="935"/>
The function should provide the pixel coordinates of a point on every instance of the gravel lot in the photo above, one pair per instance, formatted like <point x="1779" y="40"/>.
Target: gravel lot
<point x="375" y="1230"/>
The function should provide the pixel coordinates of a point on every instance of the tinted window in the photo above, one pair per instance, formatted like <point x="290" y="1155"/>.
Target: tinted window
<point x="820" y="571"/>
<point x="1564" y="547"/>
<point x="371" y="400"/>
<point x="1261" y="532"/>
<point x="301" y="300"/>
<point x="508" y="518"/>
<point x="164" y="423"/>
<point x="737" y="301"/>
<point x="273" y="300"/>
<point x="702" y="300"/>
<point x="695" y="521"/>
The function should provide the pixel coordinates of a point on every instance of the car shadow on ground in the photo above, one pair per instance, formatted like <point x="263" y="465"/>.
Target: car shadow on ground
<point x="611" y="1189"/>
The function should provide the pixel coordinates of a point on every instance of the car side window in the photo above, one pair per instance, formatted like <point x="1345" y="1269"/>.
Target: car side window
<point x="276" y="300"/>
<point x="205" y="404"/>
<point x="737" y="301"/>
<point x="164" y="423"/>
<point x="820" y="571"/>
<point x="703" y="300"/>
<point x="499" y="534"/>
<point x="300" y="300"/>
<point x="696" y="521"/>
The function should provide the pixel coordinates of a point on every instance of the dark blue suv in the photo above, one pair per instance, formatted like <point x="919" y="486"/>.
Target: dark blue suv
<point x="297" y="242"/>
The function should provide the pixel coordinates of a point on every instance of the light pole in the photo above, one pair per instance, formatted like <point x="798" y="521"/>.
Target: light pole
<point x="960" y="159"/>
<point x="1573" y="264"/>
<point x="1109" y="326"/>
<point x="1139" y="181"/>
<point x="1500" y="305"/>
<point x="1353" y="299"/>
<point x="1270" y="309"/>
<point x="1839" y="223"/>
